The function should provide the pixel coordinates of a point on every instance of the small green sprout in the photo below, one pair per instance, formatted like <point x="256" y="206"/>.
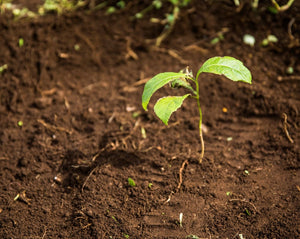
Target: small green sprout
<point x="284" y="7"/>
<point x="290" y="70"/>
<point x="228" y="193"/>
<point x="3" y="68"/>
<point x="20" y="123"/>
<point x="164" y="107"/>
<point x="150" y="185"/>
<point x="21" y="42"/>
<point x="217" y="39"/>
<point x="269" y="39"/>
<point x="125" y="235"/>
<point x="136" y="114"/>
<point x="121" y="4"/>
<point x="157" y="4"/>
<point x="110" y="10"/>
<point x="131" y="182"/>
<point x="247" y="212"/>
<point x="276" y="7"/>
<point x="114" y="218"/>
<point x="60" y="6"/>
<point x="169" y="21"/>
<point x="76" y="47"/>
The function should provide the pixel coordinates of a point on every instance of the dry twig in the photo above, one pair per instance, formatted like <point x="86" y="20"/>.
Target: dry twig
<point x="285" y="125"/>
<point x="54" y="128"/>
<point x="180" y="173"/>
<point x="286" y="78"/>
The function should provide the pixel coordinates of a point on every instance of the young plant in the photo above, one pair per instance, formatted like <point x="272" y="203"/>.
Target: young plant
<point x="170" y="19"/>
<point x="164" y="107"/>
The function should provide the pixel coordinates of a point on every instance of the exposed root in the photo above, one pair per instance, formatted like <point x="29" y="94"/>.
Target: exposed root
<point x="180" y="173"/>
<point x="130" y="53"/>
<point x="44" y="233"/>
<point x="286" y="78"/>
<point x="169" y="198"/>
<point x="168" y="30"/>
<point x="88" y="177"/>
<point x="294" y="42"/>
<point x="172" y="53"/>
<point x="94" y="169"/>
<point x="285" y="125"/>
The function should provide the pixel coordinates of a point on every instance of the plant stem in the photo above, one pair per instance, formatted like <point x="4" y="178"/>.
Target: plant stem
<point x="200" y="120"/>
<point x="284" y="7"/>
<point x="200" y="131"/>
<point x="166" y="33"/>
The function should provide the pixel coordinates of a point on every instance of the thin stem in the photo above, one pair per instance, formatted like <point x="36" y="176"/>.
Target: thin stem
<point x="284" y="7"/>
<point x="166" y="33"/>
<point x="200" y="119"/>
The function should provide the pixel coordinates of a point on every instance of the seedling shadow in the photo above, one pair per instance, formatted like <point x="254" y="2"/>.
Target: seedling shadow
<point x="76" y="167"/>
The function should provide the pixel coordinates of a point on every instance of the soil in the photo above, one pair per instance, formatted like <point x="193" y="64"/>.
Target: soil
<point x="64" y="171"/>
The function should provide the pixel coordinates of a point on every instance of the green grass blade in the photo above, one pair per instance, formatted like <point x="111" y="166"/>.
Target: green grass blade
<point x="156" y="83"/>
<point x="227" y="66"/>
<point x="165" y="106"/>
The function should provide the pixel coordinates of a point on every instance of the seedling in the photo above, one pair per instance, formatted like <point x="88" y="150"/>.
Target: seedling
<point x="76" y="47"/>
<point x="217" y="39"/>
<point x="3" y="68"/>
<point x="164" y="107"/>
<point x="276" y="7"/>
<point x="180" y="219"/>
<point x="21" y="42"/>
<point x="20" y="123"/>
<point x="269" y="39"/>
<point x="131" y="182"/>
<point x="289" y="70"/>
<point x="170" y="19"/>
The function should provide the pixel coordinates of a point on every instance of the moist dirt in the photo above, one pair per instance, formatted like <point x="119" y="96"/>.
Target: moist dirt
<point x="64" y="171"/>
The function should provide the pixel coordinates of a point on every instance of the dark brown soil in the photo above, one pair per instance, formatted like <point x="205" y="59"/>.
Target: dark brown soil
<point x="64" y="173"/>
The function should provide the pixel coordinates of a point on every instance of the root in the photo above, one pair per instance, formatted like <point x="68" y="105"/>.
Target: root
<point x="172" y="53"/>
<point x="286" y="78"/>
<point x="130" y="53"/>
<point x="167" y="32"/>
<point x="285" y="125"/>
<point x="180" y="173"/>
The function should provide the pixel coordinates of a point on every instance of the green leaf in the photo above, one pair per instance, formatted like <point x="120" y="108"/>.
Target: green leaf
<point x="181" y="82"/>
<point x="227" y="66"/>
<point x="165" y="106"/>
<point x="156" y="83"/>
